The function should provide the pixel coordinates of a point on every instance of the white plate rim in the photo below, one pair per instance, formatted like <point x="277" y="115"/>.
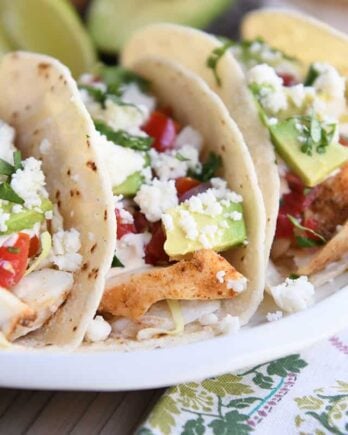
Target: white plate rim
<point x="136" y="370"/>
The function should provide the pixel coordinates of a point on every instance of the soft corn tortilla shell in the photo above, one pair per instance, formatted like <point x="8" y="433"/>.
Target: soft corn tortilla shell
<point x="299" y="35"/>
<point x="39" y="98"/>
<point x="193" y="103"/>
<point x="191" y="48"/>
<point x="308" y="40"/>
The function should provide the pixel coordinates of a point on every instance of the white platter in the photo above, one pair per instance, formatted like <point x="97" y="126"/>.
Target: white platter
<point x="113" y="371"/>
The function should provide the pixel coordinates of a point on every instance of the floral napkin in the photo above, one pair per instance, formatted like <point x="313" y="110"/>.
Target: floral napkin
<point x="304" y="394"/>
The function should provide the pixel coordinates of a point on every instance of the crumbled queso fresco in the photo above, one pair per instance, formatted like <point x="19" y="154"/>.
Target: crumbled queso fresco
<point x="294" y="294"/>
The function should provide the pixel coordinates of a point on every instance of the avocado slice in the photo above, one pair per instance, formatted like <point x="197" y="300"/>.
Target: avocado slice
<point x="130" y="186"/>
<point x="26" y="219"/>
<point x="312" y="169"/>
<point x="229" y="232"/>
<point x="112" y="22"/>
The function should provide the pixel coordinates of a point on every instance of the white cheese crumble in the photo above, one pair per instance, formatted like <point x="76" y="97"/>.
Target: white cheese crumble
<point x="293" y="294"/>
<point x="237" y="285"/>
<point x="188" y="224"/>
<point x="175" y="163"/>
<point x="235" y="215"/>
<point x="130" y="249"/>
<point x="98" y="330"/>
<point x="133" y="95"/>
<point x="272" y="317"/>
<point x="228" y="325"/>
<point x="17" y="208"/>
<point x="208" y="319"/>
<point x="4" y="217"/>
<point x="131" y="161"/>
<point x="208" y="235"/>
<point x="29" y="183"/>
<point x="189" y="136"/>
<point x="7" y="137"/>
<point x="297" y="94"/>
<point x="65" y="248"/>
<point x="156" y="198"/>
<point x="167" y="221"/>
<point x="220" y="276"/>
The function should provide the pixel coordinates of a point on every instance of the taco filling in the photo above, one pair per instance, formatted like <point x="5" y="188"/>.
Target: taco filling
<point x="37" y="256"/>
<point x="306" y="114"/>
<point x="174" y="216"/>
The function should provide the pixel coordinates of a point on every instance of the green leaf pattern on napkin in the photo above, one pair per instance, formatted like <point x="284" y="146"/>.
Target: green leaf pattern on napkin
<point x="230" y="404"/>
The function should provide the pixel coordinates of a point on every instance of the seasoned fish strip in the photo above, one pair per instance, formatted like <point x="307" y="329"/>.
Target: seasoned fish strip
<point x="195" y="278"/>
<point x="330" y="205"/>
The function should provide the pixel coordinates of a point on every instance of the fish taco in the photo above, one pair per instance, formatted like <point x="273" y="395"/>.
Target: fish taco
<point x="189" y="212"/>
<point x="56" y="221"/>
<point x="287" y="76"/>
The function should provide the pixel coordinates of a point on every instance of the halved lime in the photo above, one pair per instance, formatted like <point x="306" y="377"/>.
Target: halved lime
<point x="111" y="22"/>
<point x="51" y="27"/>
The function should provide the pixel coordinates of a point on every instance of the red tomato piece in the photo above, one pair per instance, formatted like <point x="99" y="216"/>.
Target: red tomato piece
<point x="122" y="227"/>
<point x="183" y="184"/>
<point x="154" y="250"/>
<point x="295" y="183"/>
<point x="13" y="261"/>
<point x="344" y="140"/>
<point x="162" y="129"/>
<point x="312" y="224"/>
<point x="140" y="222"/>
<point x="34" y="246"/>
<point x="285" y="229"/>
<point x="288" y="79"/>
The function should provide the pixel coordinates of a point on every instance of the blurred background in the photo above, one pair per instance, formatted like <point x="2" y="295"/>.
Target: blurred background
<point x="79" y="32"/>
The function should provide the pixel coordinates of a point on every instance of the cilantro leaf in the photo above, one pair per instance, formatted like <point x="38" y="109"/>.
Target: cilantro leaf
<point x="115" y="76"/>
<point x="17" y="160"/>
<point x="97" y="94"/>
<point x="209" y="168"/>
<point x="311" y="77"/>
<point x="123" y="138"/>
<point x="293" y="276"/>
<point x="215" y="56"/>
<point x="8" y="194"/>
<point x="116" y="262"/>
<point x="306" y="240"/>
<point x="6" y="168"/>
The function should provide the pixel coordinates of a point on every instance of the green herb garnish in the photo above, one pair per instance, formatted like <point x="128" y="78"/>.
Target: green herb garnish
<point x="302" y="240"/>
<point x="96" y="93"/>
<point x="181" y="158"/>
<point x="13" y="250"/>
<point x="116" y="262"/>
<point x="6" y="168"/>
<point x="123" y="138"/>
<point x="17" y="160"/>
<point x="8" y="194"/>
<point x="216" y="55"/>
<point x="316" y="135"/>
<point x="311" y="77"/>
<point x="209" y="168"/>
<point x="306" y="242"/>
<point x="293" y="276"/>
<point x="115" y="77"/>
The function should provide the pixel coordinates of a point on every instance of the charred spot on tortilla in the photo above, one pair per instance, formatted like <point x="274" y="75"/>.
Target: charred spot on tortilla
<point x="92" y="165"/>
<point x="85" y="266"/>
<point x="27" y="107"/>
<point x="94" y="247"/>
<point x="57" y="195"/>
<point x="68" y="172"/>
<point x="105" y="215"/>
<point x="43" y="66"/>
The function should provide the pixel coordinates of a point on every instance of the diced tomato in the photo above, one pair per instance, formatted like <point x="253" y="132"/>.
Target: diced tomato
<point x="123" y="228"/>
<point x="183" y="184"/>
<point x="294" y="182"/>
<point x="13" y="261"/>
<point x="312" y="224"/>
<point x="154" y="250"/>
<point x="344" y="140"/>
<point x="140" y="222"/>
<point x="34" y="246"/>
<point x="288" y="79"/>
<point x="163" y="129"/>
<point x="292" y="204"/>
<point x="285" y="229"/>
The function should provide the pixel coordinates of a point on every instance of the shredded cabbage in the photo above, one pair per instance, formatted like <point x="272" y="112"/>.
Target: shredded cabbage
<point x="46" y="244"/>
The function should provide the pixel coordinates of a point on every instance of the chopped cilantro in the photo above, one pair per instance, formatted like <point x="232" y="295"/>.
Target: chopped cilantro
<point x="8" y="194"/>
<point x="311" y="77"/>
<point x="216" y="55"/>
<point x="115" y="77"/>
<point x="209" y="168"/>
<point x="6" y="168"/>
<point x="17" y="160"/>
<point x="123" y="138"/>
<point x="293" y="276"/>
<point x="13" y="250"/>
<point x="116" y="262"/>
<point x="317" y="136"/>
<point x="96" y="93"/>
<point x="181" y="158"/>
<point x="306" y="240"/>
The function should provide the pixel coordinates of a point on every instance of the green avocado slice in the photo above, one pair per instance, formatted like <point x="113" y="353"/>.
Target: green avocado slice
<point x="26" y="219"/>
<point x="130" y="186"/>
<point x="228" y="232"/>
<point x="312" y="169"/>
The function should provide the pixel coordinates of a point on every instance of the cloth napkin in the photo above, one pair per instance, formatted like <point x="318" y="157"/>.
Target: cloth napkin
<point x="305" y="393"/>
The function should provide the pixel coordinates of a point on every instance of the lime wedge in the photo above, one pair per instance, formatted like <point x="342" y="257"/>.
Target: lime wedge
<point x="51" y="27"/>
<point x="111" y="22"/>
